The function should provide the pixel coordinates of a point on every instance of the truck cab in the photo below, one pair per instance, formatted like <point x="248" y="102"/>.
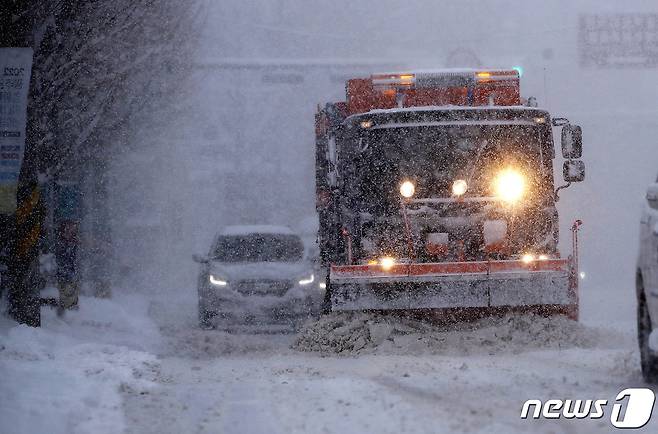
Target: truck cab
<point x="417" y="172"/>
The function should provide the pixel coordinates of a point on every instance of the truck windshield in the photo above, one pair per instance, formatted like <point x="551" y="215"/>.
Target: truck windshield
<point x="259" y="248"/>
<point x="433" y="157"/>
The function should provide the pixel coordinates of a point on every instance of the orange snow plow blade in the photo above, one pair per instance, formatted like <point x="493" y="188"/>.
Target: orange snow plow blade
<point x="541" y="285"/>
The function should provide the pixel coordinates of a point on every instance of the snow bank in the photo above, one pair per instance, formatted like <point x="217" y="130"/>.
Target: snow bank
<point x="122" y="320"/>
<point x="66" y="377"/>
<point x="353" y="333"/>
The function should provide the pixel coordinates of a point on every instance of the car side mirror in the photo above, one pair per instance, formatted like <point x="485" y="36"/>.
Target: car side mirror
<point x="200" y="259"/>
<point x="573" y="171"/>
<point x="572" y="141"/>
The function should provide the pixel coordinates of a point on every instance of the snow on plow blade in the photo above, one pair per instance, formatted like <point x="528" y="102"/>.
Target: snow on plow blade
<point x="455" y="285"/>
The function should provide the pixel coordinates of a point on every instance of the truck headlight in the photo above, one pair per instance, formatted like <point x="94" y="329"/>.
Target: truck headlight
<point x="510" y="185"/>
<point x="217" y="281"/>
<point x="387" y="262"/>
<point x="459" y="187"/>
<point x="307" y="280"/>
<point x="407" y="189"/>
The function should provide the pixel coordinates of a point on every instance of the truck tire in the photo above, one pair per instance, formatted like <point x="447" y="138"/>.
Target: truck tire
<point x="648" y="357"/>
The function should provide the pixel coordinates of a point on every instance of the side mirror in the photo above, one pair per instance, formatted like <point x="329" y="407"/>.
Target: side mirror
<point x="200" y="259"/>
<point x="573" y="171"/>
<point x="572" y="141"/>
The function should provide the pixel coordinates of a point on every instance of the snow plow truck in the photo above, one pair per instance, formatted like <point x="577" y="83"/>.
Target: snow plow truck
<point x="436" y="194"/>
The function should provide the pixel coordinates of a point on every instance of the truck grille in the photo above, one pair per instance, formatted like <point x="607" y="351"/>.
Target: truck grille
<point x="263" y="287"/>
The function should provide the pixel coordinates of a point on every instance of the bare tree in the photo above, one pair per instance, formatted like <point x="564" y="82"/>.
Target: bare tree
<point x="100" y="67"/>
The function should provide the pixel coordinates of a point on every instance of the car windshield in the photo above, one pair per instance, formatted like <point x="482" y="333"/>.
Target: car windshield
<point x="435" y="156"/>
<point x="259" y="248"/>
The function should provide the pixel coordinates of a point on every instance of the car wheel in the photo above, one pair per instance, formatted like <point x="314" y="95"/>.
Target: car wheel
<point x="648" y="357"/>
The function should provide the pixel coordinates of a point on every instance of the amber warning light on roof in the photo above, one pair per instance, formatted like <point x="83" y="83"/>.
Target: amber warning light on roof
<point x="434" y="88"/>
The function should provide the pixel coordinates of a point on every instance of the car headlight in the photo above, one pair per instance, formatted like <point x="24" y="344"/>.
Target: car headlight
<point x="407" y="189"/>
<point x="510" y="185"/>
<point x="307" y="280"/>
<point x="217" y="281"/>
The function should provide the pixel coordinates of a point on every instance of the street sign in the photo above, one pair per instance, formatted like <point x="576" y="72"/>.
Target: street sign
<point x="15" y="71"/>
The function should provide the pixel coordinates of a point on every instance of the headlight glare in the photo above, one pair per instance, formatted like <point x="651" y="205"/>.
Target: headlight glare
<point x="510" y="185"/>
<point x="217" y="281"/>
<point x="387" y="262"/>
<point x="528" y="258"/>
<point x="307" y="280"/>
<point x="407" y="189"/>
<point x="459" y="187"/>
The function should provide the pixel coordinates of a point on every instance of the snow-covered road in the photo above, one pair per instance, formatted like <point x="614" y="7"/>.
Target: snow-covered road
<point x="142" y="366"/>
<point x="467" y="380"/>
<point x="258" y="393"/>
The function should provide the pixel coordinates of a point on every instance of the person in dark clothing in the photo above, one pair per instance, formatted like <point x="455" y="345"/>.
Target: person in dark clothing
<point x="66" y="250"/>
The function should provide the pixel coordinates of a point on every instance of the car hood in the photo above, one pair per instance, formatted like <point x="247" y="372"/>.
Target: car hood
<point x="260" y="270"/>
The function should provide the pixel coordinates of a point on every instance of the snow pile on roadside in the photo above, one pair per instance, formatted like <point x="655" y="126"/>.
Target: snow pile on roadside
<point x="122" y="320"/>
<point x="66" y="377"/>
<point x="352" y="333"/>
